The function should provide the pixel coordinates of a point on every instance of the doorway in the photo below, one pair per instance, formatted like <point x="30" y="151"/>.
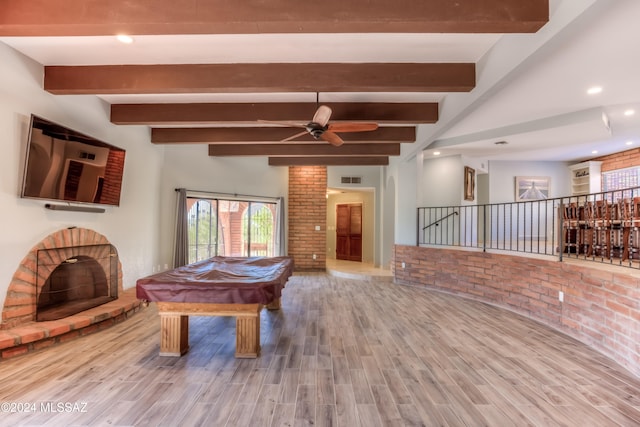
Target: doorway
<point x="349" y="232"/>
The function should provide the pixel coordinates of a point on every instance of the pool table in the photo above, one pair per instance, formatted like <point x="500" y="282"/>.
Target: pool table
<point x="218" y="286"/>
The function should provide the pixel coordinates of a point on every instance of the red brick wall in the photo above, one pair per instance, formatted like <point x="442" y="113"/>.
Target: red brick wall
<point x="625" y="159"/>
<point x="600" y="308"/>
<point x="307" y="208"/>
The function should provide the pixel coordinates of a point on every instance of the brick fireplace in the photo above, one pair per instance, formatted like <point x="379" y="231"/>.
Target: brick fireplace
<point x="74" y="279"/>
<point x="55" y="265"/>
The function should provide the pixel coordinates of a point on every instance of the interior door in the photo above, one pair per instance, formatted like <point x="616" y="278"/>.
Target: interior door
<point x="349" y="232"/>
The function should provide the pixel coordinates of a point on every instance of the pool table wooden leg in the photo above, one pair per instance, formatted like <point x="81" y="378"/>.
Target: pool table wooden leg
<point x="174" y="334"/>
<point x="248" y="336"/>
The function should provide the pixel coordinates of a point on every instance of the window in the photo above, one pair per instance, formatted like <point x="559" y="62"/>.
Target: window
<point x="621" y="179"/>
<point x="202" y="229"/>
<point x="257" y="230"/>
<point x="231" y="228"/>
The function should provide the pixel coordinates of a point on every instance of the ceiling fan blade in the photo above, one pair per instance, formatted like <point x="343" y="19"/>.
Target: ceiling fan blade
<point x="352" y="127"/>
<point x="290" y="123"/>
<point x="322" y="115"/>
<point x="297" y="135"/>
<point x="332" y="138"/>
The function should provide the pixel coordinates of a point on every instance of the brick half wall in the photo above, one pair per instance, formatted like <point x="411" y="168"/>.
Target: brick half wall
<point x="601" y="308"/>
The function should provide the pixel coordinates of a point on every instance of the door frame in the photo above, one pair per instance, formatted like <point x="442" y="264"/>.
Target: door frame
<point x="367" y="196"/>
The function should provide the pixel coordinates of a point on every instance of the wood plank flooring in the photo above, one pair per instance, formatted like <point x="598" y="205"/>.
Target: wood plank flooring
<point x="341" y="352"/>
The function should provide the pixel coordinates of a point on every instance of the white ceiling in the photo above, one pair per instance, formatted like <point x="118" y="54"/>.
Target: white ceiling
<point x="256" y="48"/>
<point x="531" y="88"/>
<point x="601" y="47"/>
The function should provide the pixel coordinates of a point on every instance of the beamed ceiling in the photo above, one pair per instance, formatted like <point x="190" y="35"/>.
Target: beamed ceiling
<point x="227" y="101"/>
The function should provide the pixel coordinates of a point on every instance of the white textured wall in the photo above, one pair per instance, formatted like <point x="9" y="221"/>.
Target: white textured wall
<point x="442" y="181"/>
<point x="388" y="220"/>
<point x="133" y="227"/>
<point x="405" y="175"/>
<point x="502" y="178"/>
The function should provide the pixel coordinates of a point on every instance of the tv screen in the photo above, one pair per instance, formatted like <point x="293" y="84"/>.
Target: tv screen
<point x="62" y="164"/>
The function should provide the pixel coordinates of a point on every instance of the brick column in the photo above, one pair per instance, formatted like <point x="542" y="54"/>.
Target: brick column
<point x="307" y="209"/>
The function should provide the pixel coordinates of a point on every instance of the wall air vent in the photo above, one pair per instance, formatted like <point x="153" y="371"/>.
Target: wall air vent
<point x="351" y="180"/>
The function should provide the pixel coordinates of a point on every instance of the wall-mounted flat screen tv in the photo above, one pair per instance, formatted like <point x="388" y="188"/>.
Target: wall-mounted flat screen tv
<point x="62" y="164"/>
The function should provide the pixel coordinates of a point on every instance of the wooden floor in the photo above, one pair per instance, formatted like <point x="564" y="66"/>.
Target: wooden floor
<point x="341" y="352"/>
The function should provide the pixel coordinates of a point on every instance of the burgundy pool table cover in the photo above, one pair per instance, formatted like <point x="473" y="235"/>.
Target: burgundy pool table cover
<point x="219" y="280"/>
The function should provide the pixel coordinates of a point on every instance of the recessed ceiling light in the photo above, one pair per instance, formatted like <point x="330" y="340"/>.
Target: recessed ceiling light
<point x="123" y="38"/>
<point x="629" y="143"/>
<point x="594" y="152"/>
<point x="594" y="90"/>
<point x="436" y="153"/>
<point x="629" y="112"/>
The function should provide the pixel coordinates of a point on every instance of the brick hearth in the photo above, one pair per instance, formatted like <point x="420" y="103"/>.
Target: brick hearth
<point x="33" y="336"/>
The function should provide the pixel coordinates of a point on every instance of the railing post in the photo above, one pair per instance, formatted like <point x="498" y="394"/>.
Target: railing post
<point x="561" y="236"/>
<point x="484" y="228"/>
<point x="418" y="227"/>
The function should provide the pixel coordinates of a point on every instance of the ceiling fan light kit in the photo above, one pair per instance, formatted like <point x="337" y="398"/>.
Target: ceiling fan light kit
<point x="320" y="128"/>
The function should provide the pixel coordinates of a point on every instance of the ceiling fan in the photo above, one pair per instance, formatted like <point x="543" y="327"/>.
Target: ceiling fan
<point x="320" y="128"/>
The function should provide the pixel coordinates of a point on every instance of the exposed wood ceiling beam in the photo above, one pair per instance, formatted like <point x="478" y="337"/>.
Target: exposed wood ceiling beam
<point x="245" y="113"/>
<point x="249" y="78"/>
<point x="321" y="148"/>
<point x="328" y="161"/>
<point x="254" y="135"/>
<point x="94" y="17"/>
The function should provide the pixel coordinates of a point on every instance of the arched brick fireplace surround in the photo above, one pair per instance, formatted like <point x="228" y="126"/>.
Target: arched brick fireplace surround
<point x="20" y="302"/>
<point x="19" y="331"/>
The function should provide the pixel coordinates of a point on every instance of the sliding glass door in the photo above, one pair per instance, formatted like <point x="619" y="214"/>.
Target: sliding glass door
<point x="231" y="228"/>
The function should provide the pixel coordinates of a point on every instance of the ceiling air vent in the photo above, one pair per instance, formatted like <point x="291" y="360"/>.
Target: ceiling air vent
<point x="351" y="180"/>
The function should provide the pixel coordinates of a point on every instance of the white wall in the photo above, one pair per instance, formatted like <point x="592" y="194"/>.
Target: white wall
<point x="370" y="176"/>
<point x="388" y="220"/>
<point x="502" y="184"/>
<point x="442" y="181"/>
<point x="405" y="173"/>
<point x="191" y="167"/>
<point x="443" y="178"/>
<point x="132" y="227"/>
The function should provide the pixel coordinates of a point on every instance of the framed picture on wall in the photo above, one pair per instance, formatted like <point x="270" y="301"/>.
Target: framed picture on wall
<point x="469" y="183"/>
<point x="532" y="188"/>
